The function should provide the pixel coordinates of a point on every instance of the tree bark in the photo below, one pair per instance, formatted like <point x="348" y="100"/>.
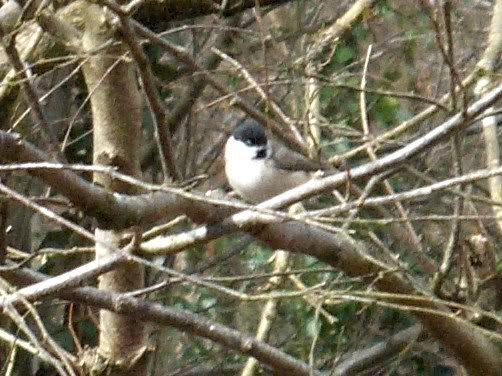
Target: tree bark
<point x="116" y="111"/>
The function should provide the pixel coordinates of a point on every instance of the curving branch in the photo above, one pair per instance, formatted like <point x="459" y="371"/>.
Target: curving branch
<point x="159" y="112"/>
<point x="362" y="360"/>
<point x="488" y="63"/>
<point x="471" y="347"/>
<point x="180" y="319"/>
<point x="115" y="210"/>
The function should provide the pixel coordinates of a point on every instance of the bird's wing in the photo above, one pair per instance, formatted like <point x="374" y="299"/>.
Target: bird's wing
<point x="287" y="159"/>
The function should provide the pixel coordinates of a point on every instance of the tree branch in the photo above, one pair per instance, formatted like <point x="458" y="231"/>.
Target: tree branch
<point x="361" y="360"/>
<point x="183" y="320"/>
<point x="114" y="210"/>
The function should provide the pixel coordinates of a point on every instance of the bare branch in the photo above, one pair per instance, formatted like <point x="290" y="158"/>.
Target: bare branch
<point x="129" y="210"/>
<point x="159" y="113"/>
<point x="364" y="359"/>
<point x="182" y="320"/>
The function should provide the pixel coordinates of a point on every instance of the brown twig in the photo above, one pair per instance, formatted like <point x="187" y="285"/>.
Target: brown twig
<point x="419" y="254"/>
<point x="411" y="194"/>
<point x="242" y="104"/>
<point x="8" y="43"/>
<point x="159" y="112"/>
<point x="183" y="320"/>
<point x="453" y="240"/>
<point x="361" y="360"/>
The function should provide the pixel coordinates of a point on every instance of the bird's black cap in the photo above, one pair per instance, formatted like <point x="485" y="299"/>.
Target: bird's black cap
<point x="251" y="133"/>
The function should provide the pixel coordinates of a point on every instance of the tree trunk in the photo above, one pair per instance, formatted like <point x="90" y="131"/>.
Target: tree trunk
<point x="116" y="111"/>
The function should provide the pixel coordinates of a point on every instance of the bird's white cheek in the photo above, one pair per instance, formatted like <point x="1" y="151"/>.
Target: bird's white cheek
<point x="244" y="173"/>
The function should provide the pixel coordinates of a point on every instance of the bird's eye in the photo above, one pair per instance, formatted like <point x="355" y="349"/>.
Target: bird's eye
<point x="249" y="142"/>
<point x="262" y="153"/>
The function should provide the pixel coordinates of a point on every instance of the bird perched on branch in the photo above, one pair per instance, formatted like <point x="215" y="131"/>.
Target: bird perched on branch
<point x="258" y="167"/>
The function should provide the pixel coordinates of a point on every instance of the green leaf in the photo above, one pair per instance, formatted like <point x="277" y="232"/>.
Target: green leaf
<point x="386" y="109"/>
<point x="344" y="54"/>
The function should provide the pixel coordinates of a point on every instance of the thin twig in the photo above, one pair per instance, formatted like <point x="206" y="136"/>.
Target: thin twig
<point x="30" y="95"/>
<point x="159" y="112"/>
<point x="419" y="254"/>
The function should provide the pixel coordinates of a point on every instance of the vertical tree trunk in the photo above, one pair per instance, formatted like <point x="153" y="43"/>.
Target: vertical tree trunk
<point x="116" y="111"/>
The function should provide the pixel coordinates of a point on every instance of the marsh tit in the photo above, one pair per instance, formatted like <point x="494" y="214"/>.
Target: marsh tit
<point x="259" y="168"/>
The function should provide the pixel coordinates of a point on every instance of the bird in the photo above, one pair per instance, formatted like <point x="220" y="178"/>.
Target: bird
<point x="258" y="167"/>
